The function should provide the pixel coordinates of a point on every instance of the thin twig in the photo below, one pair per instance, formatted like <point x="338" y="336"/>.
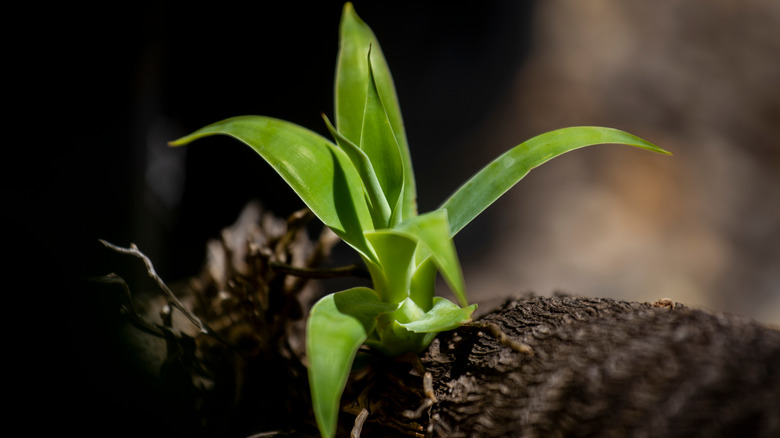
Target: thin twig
<point x="134" y="251"/>
<point x="359" y="421"/>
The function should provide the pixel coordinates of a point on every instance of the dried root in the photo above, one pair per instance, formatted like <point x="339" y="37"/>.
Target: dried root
<point x="495" y="331"/>
<point x="241" y="341"/>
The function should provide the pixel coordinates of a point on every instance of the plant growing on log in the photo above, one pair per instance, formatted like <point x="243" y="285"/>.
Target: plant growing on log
<point x="361" y="185"/>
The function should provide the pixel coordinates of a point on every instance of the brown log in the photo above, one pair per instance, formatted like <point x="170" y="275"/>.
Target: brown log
<point x="536" y="367"/>
<point x="606" y="368"/>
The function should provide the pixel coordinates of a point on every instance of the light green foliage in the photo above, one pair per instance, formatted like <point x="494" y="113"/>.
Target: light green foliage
<point x="361" y="185"/>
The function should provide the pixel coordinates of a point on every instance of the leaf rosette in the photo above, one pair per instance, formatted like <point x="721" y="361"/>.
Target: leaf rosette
<point x="362" y="186"/>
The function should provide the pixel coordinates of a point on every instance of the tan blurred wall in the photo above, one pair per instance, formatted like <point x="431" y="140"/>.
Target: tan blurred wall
<point x="700" y="78"/>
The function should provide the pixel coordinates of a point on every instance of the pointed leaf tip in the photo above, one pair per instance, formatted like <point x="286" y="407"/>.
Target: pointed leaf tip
<point x="351" y="84"/>
<point x="508" y="169"/>
<point x="320" y="173"/>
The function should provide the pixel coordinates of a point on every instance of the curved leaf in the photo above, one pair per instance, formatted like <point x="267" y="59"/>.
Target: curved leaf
<point x="423" y="284"/>
<point x="393" y="275"/>
<point x="505" y="171"/>
<point x="338" y="324"/>
<point x="445" y="315"/>
<point x="432" y="230"/>
<point x="320" y="173"/>
<point x="393" y="339"/>
<point x="380" y="209"/>
<point x="351" y="86"/>
<point x="410" y="329"/>
<point x="379" y="143"/>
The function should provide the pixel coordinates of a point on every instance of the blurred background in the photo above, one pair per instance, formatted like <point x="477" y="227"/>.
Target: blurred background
<point x="697" y="77"/>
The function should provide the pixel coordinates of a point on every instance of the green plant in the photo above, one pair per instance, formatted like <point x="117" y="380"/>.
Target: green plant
<point x="362" y="186"/>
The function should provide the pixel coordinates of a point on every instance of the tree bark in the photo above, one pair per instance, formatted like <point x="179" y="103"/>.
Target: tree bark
<point x="608" y="368"/>
<point x="536" y="367"/>
<point x="602" y="367"/>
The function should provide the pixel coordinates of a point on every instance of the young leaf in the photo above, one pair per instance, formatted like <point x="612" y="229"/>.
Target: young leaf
<point x="409" y="328"/>
<point x="318" y="171"/>
<point x="393" y="338"/>
<point x="352" y="85"/>
<point x="505" y="171"/>
<point x="393" y="275"/>
<point x="338" y="324"/>
<point x="378" y="142"/>
<point x="432" y="230"/>
<point x="445" y="315"/>
<point x="423" y="283"/>
<point x="380" y="209"/>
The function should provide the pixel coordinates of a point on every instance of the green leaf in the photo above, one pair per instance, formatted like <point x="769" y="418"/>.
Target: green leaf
<point x="380" y="209"/>
<point x="379" y="143"/>
<point x="432" y="230"/>
<point x="505" y="171"/>
<point x="393" y="338"/>
<point x="423" y="284"/>
<point x="445" y="315"/>
<point x="393" y="275"/>
<point x="409" y="328"/>
<point x="338" y="324"/>
<point x="351" y="88"/>
<point x="318" y="171"/>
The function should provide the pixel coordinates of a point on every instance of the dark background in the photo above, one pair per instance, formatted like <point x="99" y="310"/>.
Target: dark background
<point x="697" y="77"/>
<point x="138" y="76"/>
<point x="151" y="73"/>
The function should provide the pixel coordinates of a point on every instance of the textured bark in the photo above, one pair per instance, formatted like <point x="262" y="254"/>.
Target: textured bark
<point x="605" y="368"/>
<point x="608" y="368"/>
<point x="536" y="367"/>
